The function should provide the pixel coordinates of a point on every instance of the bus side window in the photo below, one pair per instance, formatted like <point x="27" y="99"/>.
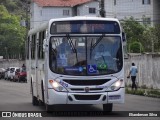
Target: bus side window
<point x="33" y="47"/>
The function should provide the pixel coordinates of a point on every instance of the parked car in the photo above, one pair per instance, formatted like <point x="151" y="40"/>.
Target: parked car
<point x="21" y="75"/>
<point x="10" y="73"/>
<point x="2" y="73"/>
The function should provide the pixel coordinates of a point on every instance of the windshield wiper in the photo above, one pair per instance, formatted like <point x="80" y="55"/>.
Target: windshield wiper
<point x="72" y="46"/>
<point x="103" y="59"/>
<point x="95" y="44"/>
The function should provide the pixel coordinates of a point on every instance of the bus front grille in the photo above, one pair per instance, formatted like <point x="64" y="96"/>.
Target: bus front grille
<point x="81" y="89"/>
<point x="87" y="97"/>
<point x="86" y="82"/>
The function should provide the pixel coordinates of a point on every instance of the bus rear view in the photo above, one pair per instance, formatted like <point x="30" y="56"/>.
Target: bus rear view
<point x="83" y="62"/>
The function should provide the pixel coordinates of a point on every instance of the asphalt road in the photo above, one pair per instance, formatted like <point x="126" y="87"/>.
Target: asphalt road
<point x="16" y="96"/>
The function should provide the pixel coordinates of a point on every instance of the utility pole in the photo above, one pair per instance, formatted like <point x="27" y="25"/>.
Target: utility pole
<point x="102" y="9"/>
<point x="26" y="6"/>
<point x="27" y="26"/>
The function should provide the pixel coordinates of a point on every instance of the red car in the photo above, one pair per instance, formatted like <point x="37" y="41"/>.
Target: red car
<point x="21" y="75"/>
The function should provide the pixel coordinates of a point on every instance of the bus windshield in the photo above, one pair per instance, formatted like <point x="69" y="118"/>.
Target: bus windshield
<point x="85" y="56"/>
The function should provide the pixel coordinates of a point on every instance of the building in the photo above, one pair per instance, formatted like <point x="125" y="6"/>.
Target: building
<point x="145" y="11"/>
<point x="43" y="10"/>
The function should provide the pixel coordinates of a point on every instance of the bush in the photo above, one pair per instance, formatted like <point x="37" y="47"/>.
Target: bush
<point x="136" y="47"/>
<point x="154" y="92"/>
<point x="144" y="92"/>
<point x="139" y="92"/>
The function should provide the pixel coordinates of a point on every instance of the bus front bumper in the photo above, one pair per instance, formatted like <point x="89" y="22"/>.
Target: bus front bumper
<point x="55" y="97"/>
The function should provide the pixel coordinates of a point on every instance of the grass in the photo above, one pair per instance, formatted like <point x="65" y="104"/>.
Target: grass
<point x="144" y="92"/>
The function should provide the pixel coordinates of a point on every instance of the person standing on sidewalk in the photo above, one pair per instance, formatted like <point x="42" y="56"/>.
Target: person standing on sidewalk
<point x="133" y="72"/>
<point x="23" y="67"/>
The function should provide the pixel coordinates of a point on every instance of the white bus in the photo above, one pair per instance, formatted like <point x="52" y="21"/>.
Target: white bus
<point x="76" y="60"/>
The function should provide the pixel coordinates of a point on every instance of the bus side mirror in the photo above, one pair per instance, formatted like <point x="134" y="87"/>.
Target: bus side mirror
<point x="123" y="36"/>
<point x="45" y="45"/>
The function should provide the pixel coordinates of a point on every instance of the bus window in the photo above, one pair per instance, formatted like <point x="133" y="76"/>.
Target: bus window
<point x="69" y="55"/>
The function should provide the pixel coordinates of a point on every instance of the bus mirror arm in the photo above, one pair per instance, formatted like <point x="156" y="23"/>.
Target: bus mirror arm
<point x="123" y="37"/>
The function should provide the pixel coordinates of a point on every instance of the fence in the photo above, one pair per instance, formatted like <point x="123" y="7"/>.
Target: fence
<point x="11" y="63"/>
<point x="148" y="70"/>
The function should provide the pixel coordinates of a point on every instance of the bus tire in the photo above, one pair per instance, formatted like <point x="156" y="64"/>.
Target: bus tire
<point x="35" y="102"/>
<point x="108" y="107"/>
<point x="49" y="108"/>
<point x="43" y="101"/>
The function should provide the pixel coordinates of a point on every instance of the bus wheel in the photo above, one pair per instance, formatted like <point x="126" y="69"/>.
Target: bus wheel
<point x="108" y="107"/>
<point x="34" y="99"/>
<point x="49" y="108"/>
<point x="43" y="102"/>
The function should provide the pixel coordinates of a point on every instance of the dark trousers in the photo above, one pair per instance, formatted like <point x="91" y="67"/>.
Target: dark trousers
<point x="133" y="78"/>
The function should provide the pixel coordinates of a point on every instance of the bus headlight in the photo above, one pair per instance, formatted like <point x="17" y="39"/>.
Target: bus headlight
<point x="56" y="86"/>
<point x="116" y="85"/>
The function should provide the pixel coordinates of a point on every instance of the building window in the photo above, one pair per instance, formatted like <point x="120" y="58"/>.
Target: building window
<point x="115" y="2"/>
<point x="65" y="12"/>
<point x="78" y="12"/>
<point x="146" y="21"/>
<point x="92" y="10"/>
<point x="40" y="50"/>
<point x="146" y="2"/>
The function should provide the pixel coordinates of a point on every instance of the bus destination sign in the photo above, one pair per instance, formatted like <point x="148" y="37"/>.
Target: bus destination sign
<point x="85" y="27"/>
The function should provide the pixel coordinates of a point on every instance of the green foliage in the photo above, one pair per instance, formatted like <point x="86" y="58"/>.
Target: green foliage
<point x="9" y="4"/>
<point x="154" y="92"/>
<point x="146" y="36"/>
<point x="135" y="92"/>
<point x="144" y="92"/>
<point x="134" y="30"/>
<point x="136" y="47"/>
<point x="152" y="39"/>
<point x="134" y="33"/>
<point x="12" y="37"/>
<point x="12" y="34"/>
<point x="13" y="5"/>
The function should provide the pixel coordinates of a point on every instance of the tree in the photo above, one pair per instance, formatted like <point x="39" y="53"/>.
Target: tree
<point x="152" y="39"/>
<point x="11" y="5"/>
<point x="134" y="31"/>
<point x="136" y="47"/>
<point x="12" y="34"/>
<point x="157" y="38"/>
<point x="16" y="7"/>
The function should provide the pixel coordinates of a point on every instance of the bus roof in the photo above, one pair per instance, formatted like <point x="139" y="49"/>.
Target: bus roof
<point x="39" y="28"/>
<point x="45" y="25"/>
<point x="84" y="18"/>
